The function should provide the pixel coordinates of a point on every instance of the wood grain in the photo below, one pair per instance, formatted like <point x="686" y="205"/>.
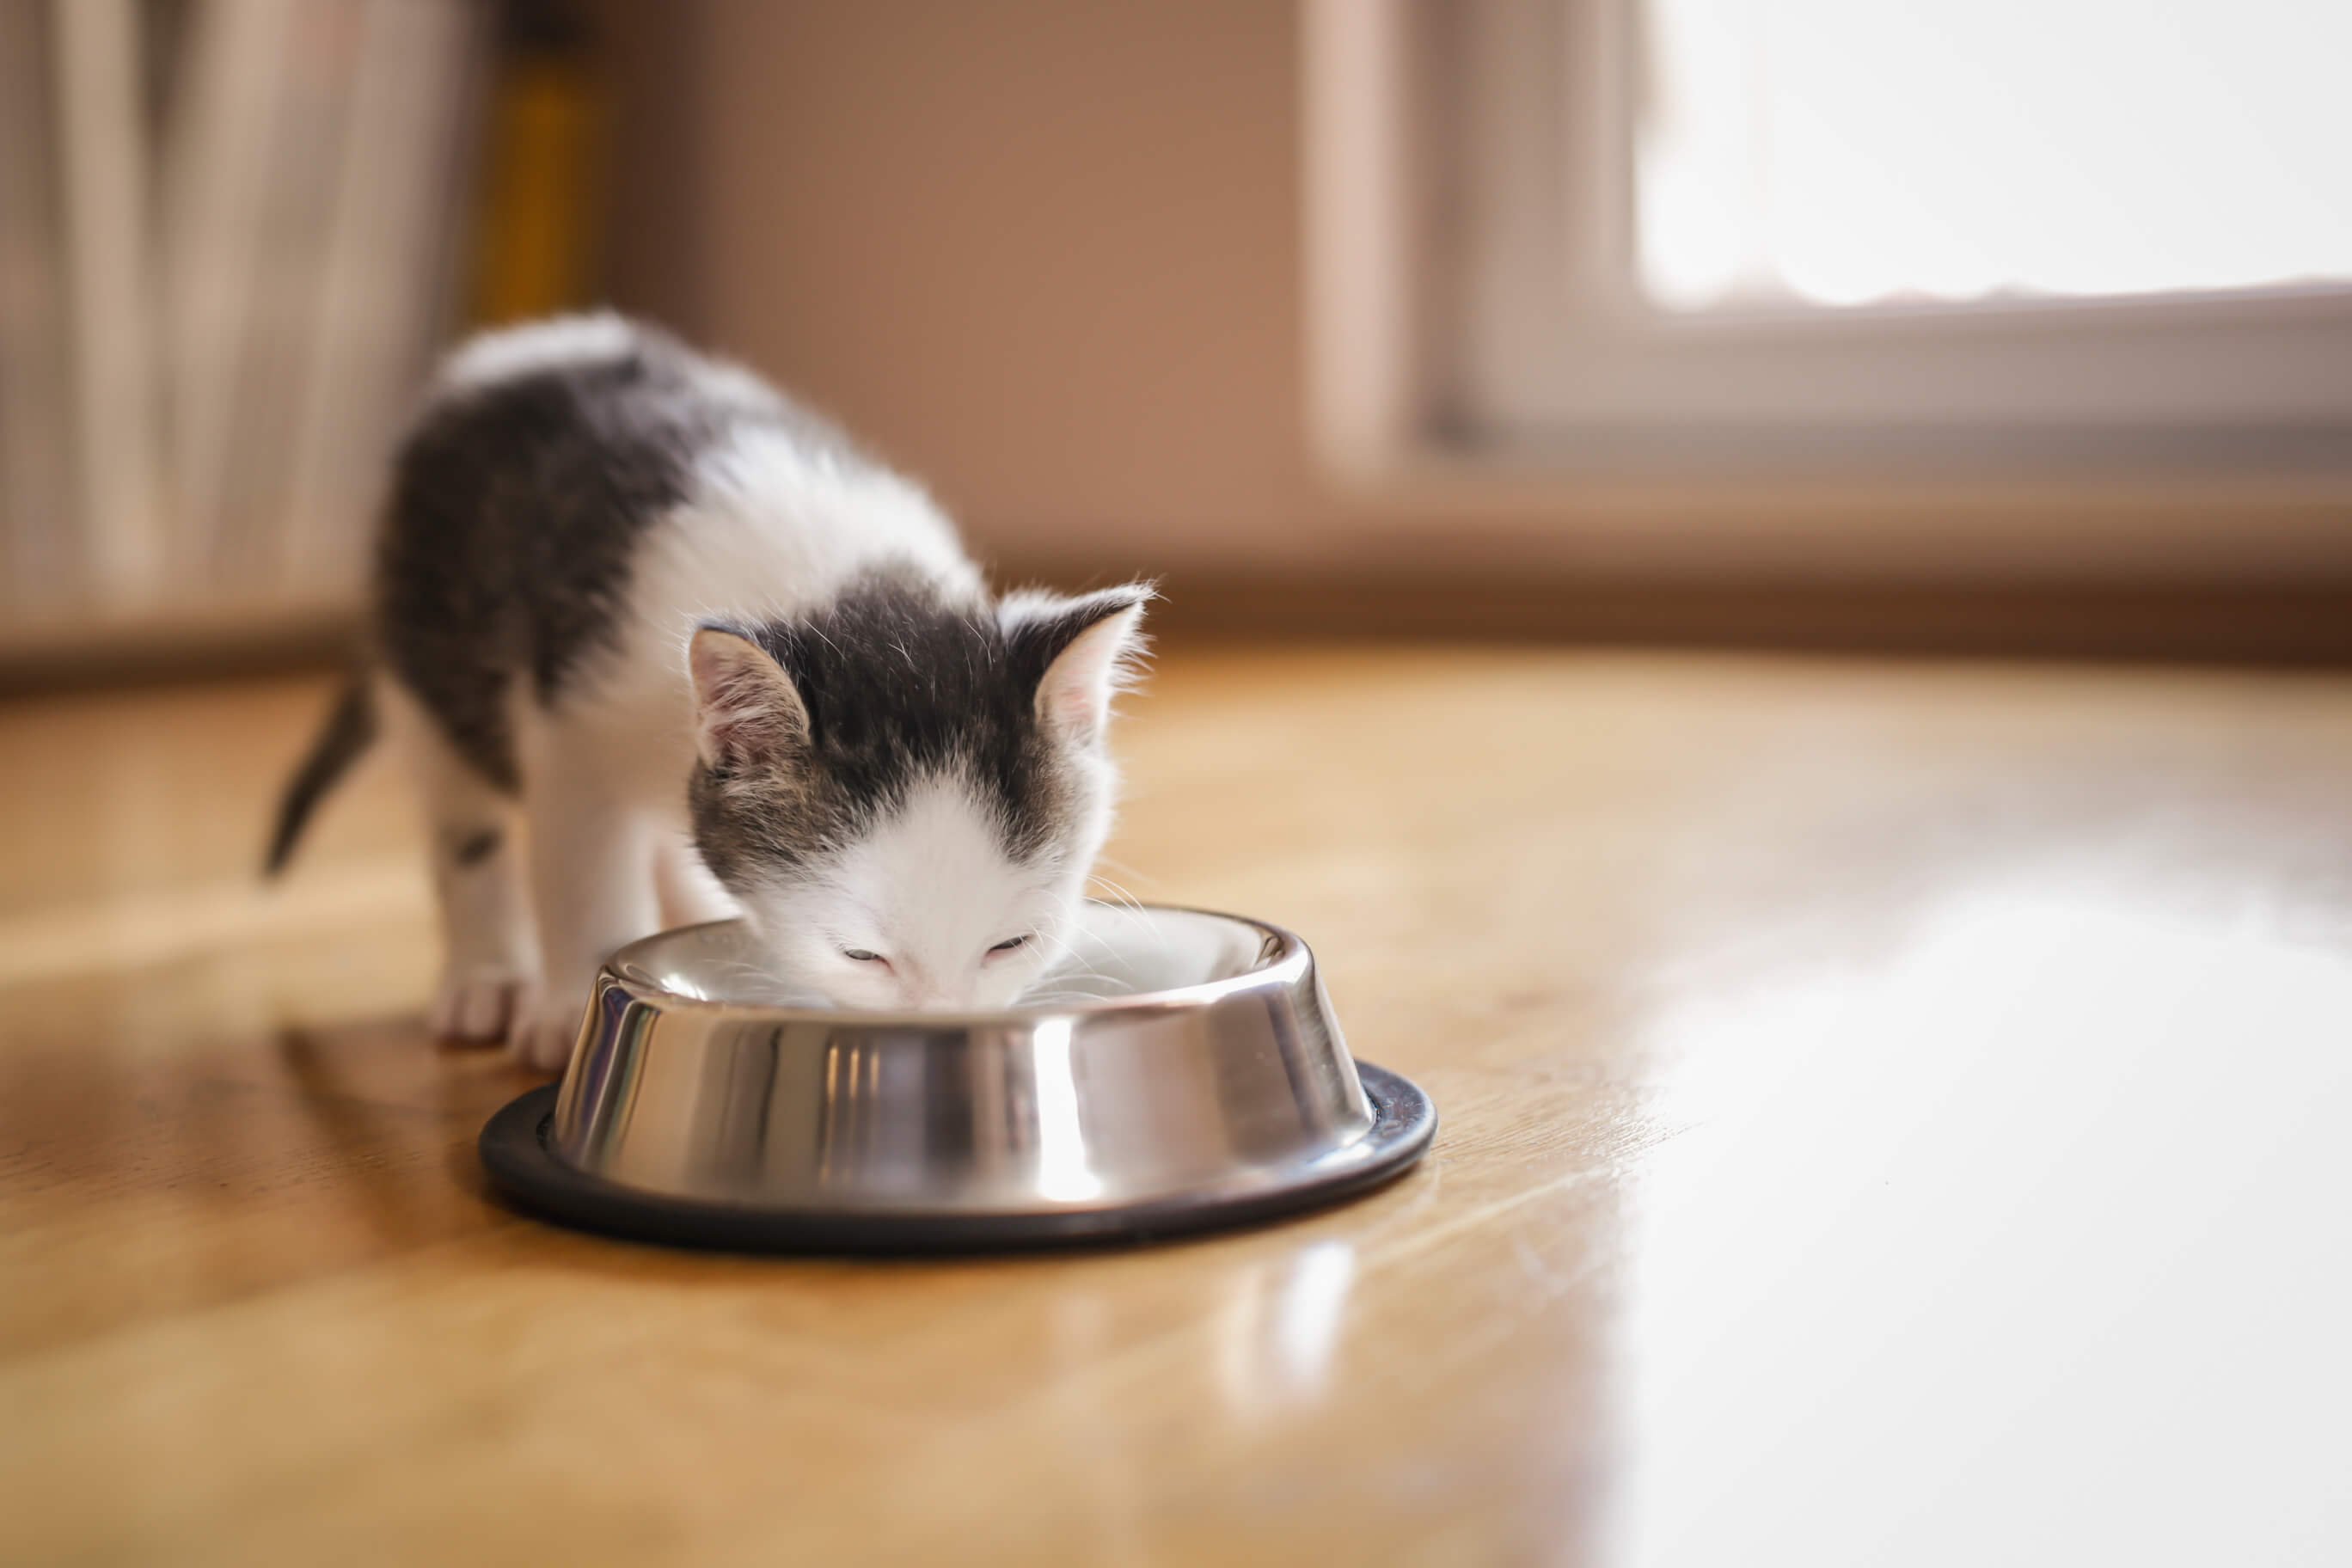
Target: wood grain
<point x="1891" y="1113"/>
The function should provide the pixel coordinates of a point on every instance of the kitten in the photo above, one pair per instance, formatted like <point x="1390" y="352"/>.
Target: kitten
<point x="717" y="660"/>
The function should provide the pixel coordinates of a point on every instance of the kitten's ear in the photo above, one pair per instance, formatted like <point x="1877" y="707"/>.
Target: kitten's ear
<point x="746" y="710"/>
<point x="1081" y="650"/>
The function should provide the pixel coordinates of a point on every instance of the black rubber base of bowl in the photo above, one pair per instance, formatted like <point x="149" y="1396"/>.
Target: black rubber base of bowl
<point x="520" y="1165"/>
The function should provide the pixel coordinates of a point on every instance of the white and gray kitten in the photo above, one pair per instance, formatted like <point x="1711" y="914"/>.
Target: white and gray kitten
<point x="715" y="659"/>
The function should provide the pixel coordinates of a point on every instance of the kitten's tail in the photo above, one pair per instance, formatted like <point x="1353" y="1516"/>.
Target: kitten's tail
<point x="347" y="731"/>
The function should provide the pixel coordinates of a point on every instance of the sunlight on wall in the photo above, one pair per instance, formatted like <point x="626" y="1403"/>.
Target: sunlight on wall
<point x="1844" y="152"/>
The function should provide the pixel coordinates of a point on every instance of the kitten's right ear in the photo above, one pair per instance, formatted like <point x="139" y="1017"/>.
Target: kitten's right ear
<point x="746" y="710"/>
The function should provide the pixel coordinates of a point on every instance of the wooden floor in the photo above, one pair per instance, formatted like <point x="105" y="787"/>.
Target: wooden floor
<point x="1893" y="1114"/>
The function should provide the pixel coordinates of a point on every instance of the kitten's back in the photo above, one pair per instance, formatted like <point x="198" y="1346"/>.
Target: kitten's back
<point x="569" y="484"/>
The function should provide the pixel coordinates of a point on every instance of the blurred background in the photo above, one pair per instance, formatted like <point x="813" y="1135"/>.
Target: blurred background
<point x="1992" y="326"/>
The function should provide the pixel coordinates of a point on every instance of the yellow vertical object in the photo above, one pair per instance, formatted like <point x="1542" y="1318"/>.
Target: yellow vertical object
<point x="533" y="238"/>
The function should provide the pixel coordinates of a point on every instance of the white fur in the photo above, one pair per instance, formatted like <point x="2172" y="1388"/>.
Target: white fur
<point x="772" y="531"/>
<point x="772" y="528"/>
<point x="539" y="345"/>
<point x="930" y="893"/>
<point x="490" y="972"/>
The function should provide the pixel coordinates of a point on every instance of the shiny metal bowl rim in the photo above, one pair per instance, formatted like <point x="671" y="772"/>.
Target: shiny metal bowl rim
<point x="1291" y="952"/>
<point x="1303" y="1146"/>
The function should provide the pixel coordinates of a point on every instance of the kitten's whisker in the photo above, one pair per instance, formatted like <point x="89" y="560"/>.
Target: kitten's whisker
<point x="1120" y="896"/>
<point x="1124" y="868"/>
<point x="1078" y="970"/>
<point x="1083" y="969"/>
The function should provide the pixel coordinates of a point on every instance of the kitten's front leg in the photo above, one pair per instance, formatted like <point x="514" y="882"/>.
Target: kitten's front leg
<point x="492" y="965"/>
<point x="491" y="947"/>
<point x="592" y="884"/>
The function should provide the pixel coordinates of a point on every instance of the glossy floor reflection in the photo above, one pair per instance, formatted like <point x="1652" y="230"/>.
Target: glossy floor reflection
<point x="1891" y="1114"/>
<point x="2025" y="1241"/>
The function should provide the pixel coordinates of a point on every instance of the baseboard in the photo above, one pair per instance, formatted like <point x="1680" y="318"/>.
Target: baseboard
<point x="2307" y="625"/>
<point x="162" y="646"/>
<point x="2288" y="626"/>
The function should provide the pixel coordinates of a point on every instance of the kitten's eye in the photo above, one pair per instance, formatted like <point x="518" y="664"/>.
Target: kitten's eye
<point x="1010" y="942"/>
<point x="861" y="955"/>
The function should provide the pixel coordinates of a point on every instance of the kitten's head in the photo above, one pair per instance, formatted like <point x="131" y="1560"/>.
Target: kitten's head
<point x="906" y="794"/>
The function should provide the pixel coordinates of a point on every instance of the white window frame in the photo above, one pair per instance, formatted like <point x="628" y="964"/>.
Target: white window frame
<point x="1476" y="350"/>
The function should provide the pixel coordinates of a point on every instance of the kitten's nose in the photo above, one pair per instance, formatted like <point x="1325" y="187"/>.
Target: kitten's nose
<point x="935" y="987"/>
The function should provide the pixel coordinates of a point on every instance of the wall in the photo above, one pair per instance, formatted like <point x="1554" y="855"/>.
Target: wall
<point x="1044" y="253"/>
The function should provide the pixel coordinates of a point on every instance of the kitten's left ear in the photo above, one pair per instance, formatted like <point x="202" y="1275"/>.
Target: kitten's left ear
<point x="1081" y="651"/>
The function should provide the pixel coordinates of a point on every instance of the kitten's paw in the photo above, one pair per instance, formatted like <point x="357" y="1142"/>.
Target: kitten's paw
<point x="479" y="1006"/>
<point x="544" y="1034"/>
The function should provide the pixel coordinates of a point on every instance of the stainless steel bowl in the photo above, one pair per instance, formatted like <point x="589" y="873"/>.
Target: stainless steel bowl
<point x="1180" y="1071"/>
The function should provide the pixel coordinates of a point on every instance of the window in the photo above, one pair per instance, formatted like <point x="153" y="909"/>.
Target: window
<point x="2075" y="250"/>
<point x="1853" y="153"/>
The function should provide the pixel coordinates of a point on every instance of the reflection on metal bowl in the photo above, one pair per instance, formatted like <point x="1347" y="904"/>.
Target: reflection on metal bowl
<point x="1180" y="1071"/>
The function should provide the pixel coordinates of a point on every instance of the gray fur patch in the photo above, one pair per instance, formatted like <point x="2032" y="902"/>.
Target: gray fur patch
<point x="477" y="847"/>
<point x="899" y="686"/>
<point x="515" y="513"/>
